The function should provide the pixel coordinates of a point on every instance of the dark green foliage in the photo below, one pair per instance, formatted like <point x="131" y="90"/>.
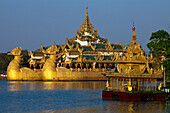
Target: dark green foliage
<point x="160" y="46"/>
<point x="4" y="61"/>
<point x="25" y="57"/>
<point x="160" y="43"/>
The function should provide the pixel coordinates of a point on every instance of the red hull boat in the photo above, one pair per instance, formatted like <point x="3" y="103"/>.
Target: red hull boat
<point x="134" y="95"/>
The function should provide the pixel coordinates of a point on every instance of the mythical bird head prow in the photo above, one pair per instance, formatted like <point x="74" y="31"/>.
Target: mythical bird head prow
<point x="16" y="51"/>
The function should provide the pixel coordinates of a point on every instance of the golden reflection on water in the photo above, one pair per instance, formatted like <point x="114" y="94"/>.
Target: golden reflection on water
<point x="92" y="109"/>
<point x="136" y="106"/>
<point x="117" y="107"/>
<point x="48" y="85"/>
<point x="130" y="107"/>
<point x="100" y="106"/>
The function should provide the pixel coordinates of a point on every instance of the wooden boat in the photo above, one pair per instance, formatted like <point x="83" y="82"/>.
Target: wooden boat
<point x="115" y="91"/>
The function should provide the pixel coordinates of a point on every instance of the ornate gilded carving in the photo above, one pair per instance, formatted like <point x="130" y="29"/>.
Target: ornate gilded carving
<point x="134" y="62"/>
<point x="109" y="47"/>
<point x="49" y="69"/>
<point x="14" y="72"/>
<point x="134" y="41"/>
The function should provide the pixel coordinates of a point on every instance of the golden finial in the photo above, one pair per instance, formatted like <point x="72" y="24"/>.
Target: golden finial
<point x="109" y="43"/>
<point x="86" y="10"/>
<point x="41" y="47"/>
<point x="119" y="42"/>
<point x="87" y="26"/>
<point x="54" y="43"/>
<point x="133" y="34"/>
<point x="134" y="41"/>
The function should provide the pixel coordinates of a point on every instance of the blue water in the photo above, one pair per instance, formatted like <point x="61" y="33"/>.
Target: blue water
<point x="69" y="97"/>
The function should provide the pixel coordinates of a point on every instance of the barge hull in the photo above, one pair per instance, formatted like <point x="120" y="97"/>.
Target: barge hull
<point x="115" y="95"/>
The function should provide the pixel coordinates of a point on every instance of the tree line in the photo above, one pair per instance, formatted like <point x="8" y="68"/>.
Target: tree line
<point x="159" y="46"/>
<point x="5" y="59"/>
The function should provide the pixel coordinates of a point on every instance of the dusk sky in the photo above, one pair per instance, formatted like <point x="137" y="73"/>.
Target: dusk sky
<point x="30" y="23"/>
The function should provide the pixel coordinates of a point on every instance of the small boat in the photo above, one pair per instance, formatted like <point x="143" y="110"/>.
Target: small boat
<point x="139" y="89"/>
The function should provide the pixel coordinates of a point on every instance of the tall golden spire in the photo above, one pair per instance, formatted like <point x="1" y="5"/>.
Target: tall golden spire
<point x="87" y="29"/>
<point x="134" y="41"/>
<point x="87" y="26"/>
<point x="86" y="10"/>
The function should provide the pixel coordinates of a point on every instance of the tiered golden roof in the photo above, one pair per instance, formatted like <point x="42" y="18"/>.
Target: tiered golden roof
<point x="87" y="28"/>
<point x="51" y="50"/>
<point x="87" y="25"/>
<point x="133" y="61"/>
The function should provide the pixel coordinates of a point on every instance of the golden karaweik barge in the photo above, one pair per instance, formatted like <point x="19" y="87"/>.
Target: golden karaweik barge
<point x="87" y="56"/>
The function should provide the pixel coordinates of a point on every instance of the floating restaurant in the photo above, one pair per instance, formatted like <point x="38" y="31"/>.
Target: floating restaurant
<point x="86" y="52"/>
<point x="87" y="56"/>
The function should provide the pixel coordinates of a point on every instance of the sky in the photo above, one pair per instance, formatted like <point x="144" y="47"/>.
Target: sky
<point x="30" y="23"/>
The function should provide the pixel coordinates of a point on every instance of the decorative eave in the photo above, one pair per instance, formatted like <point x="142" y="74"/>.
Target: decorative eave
<point x="79" y="59"/>
<point x="71" y="46"/>
<point x="35" y="53"/>
<point x="97" y="57"/>
<point x="61" y="54"/>
<point x="51" y="50"/>
<point x="31" y="53"/>
<point x="70" y="60"/>
<point x="64" y="46"/>
<point x="130" y="58"/>
<point x="109" y="47"/>
<point x="93" y="47"/>
<point x="35" y="61"/>
<point x="88" y="52"/>
<point x="103" y="50"/>
<point x="86" y="39"/>
<point x="130" y="62"/>
<point x="71" y="53"/>
<point x="113" y="58"/>
<point x="103" y="39"/>
<point x="118" y="50"/>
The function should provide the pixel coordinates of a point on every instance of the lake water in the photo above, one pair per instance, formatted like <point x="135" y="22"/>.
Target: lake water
<point x="68" y="97"/>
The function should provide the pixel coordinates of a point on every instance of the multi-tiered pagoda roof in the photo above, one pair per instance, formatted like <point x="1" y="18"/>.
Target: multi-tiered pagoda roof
<point x="86" y="46"/>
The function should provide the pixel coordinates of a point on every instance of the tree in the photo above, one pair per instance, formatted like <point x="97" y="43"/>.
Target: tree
<point x="25" y="58"/>
<point x="160" y="46"/>
<point x="4" y="61"/>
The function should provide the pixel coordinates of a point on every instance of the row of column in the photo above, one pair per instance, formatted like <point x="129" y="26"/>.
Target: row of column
<point x="36" y="66"/>
<point x="86" y="65"/>
<point x="120" y="84"/>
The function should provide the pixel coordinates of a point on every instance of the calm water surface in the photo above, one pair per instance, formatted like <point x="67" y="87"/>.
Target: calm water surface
<point x="69" y="97"/>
